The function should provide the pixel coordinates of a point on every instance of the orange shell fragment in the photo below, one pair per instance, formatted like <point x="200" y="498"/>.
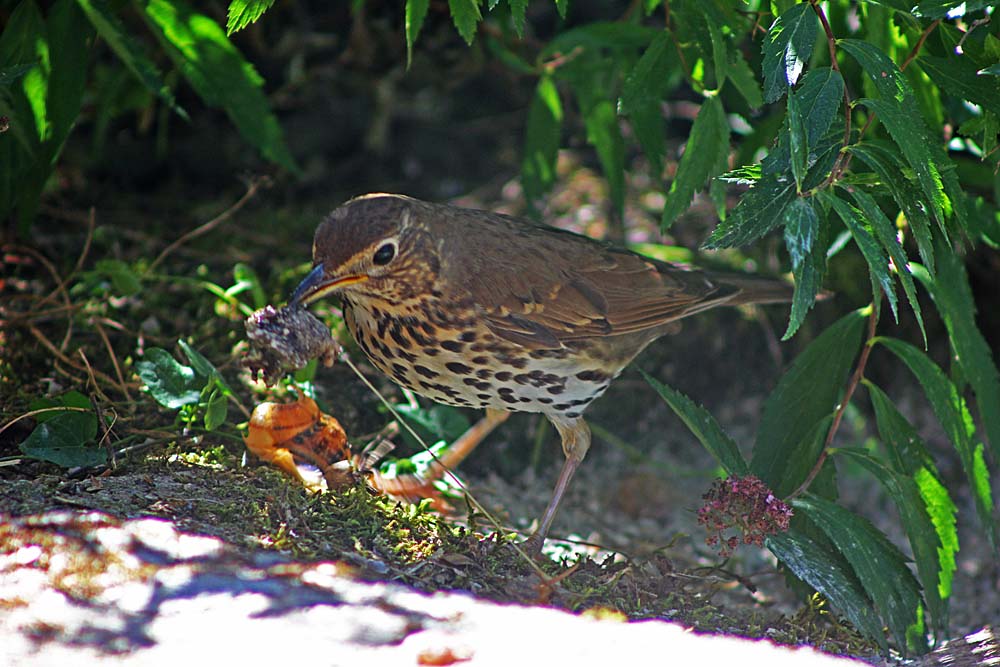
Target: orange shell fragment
<point x="281" y="431"/>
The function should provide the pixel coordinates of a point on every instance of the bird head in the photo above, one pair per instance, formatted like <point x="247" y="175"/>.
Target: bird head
<point x="373" y="248"/>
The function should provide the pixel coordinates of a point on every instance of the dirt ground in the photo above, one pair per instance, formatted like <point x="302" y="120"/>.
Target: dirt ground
<point x="627" y="535"/>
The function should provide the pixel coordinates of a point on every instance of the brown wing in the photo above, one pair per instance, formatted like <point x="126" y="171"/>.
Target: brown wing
<point x="540" y="287"/>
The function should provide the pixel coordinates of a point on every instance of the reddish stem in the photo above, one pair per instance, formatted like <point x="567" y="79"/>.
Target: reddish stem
<point x="852" y="385"/>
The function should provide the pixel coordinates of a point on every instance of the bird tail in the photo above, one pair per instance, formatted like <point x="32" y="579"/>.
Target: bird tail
<point x="745" y="288"/>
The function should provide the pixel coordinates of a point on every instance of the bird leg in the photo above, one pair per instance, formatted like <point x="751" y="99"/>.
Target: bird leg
<point x="456" y="452"/>
<point x="575" y="436"/>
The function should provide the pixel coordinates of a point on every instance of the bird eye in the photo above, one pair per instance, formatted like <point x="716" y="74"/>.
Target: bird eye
<point x="384" y="254"/>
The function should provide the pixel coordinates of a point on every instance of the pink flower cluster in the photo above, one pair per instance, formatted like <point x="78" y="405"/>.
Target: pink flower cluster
<point x="746" y="506"/>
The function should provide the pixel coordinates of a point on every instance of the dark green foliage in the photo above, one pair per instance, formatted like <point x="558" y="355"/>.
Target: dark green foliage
<point x="879" y="141"/>
<point x="45" y="71"/>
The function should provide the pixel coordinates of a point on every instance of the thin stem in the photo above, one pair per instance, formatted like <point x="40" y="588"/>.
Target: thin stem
<point x="852" y="385"/>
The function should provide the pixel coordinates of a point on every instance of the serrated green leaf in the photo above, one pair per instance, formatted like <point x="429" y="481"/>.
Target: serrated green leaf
<point x="218" y="72"/>
<point x="885" y="232"/>
<point x="879" y="565"/>
<point x="886" y="162"/>
<point x="518" y="12"/>
<point x="806" y="395"/>
<point x="953" y="414"/>
<point x="719" y="56"/>
<point x="878" y="262"/>
<point x="958" y="76"/>
<point x="832" y="576"/>
<point x="744" y="80"/>
<point x="65" y="440"/>
<point x="953" y="298"/>
<point x="169" y="382"/>
<point x="951" y="9"/>
<point x="798" y="142"/>
<point x="801" y="229"/>
<point x="895" y="108"/>
<point x="129" y="51"/>
<point x="466" y="16"/>
<point x="910" y="458"/>
<point x="706" y="148"/>
<point x="787" y="48"/>
<point x="704" y="427"/>
<point x="642" y="96"/>
<point x="541" y="142"/>
<point x="808" y="281"/>
<point x="244" y="12"/>
<point x="416" y="11"/>
<point x="216" y="410"/>
<point x="820" y="96"/>
<point x="760" y="210"/>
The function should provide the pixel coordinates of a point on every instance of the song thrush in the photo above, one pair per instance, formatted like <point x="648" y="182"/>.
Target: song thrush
<point x="482" y="310"/>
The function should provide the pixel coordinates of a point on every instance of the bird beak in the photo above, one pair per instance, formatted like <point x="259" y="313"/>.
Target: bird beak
<point x="317" y="285"/>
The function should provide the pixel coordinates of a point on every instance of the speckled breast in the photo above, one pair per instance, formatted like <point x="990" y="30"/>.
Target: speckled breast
<point x="463" y="363"/>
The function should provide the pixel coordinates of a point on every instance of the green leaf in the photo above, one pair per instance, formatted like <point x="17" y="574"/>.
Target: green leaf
<point x="879" y="565"/>
<point x="951" y="9"/>
<point x="761" y="209"/>
<point x="170" y="383"/>
<point x="11" y="75"/>
<point x="221" y="76"/>
<point x="884" y="159"/>
<point x="441" y="422"/>
<point x="125" y="281"/>
<point x="244" y="12"/>
<point x="71" y="399"/>
<point x="806" y="395"/>
<point x="878" y="262"/>
<point x="466" y="16"/>
<point x="562" y="6"/>
<point x="910" y="458"/>
<point x="832" y="576"/>
<point x="129" y="51"/>
<point x="68" y="30"/>
<point x="896" y="108"/>
<point x="819" y="98"/>
<point x="538" y="169"/>
<point x="798" y="143"/>
<point x="885" y="232"/>
<point x="953" y="414"/>
<point x="744" y="80"/>
<point x="787" y="48"/>
<point x="706" y="148"/>
<point x="704" y="427"/>
<point x="604" y="134"/>
<point x="958" y="76"/>
<point x="801" y="229"/>
<point x="416" y="11"/>
<point x="64" y="439"/>
<point x="518" y="11"/>
<point x="808" y="281"/>
<point x="953" y="298"/>
<point x="216" y="410"/>
<point x="642" y="95"/>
